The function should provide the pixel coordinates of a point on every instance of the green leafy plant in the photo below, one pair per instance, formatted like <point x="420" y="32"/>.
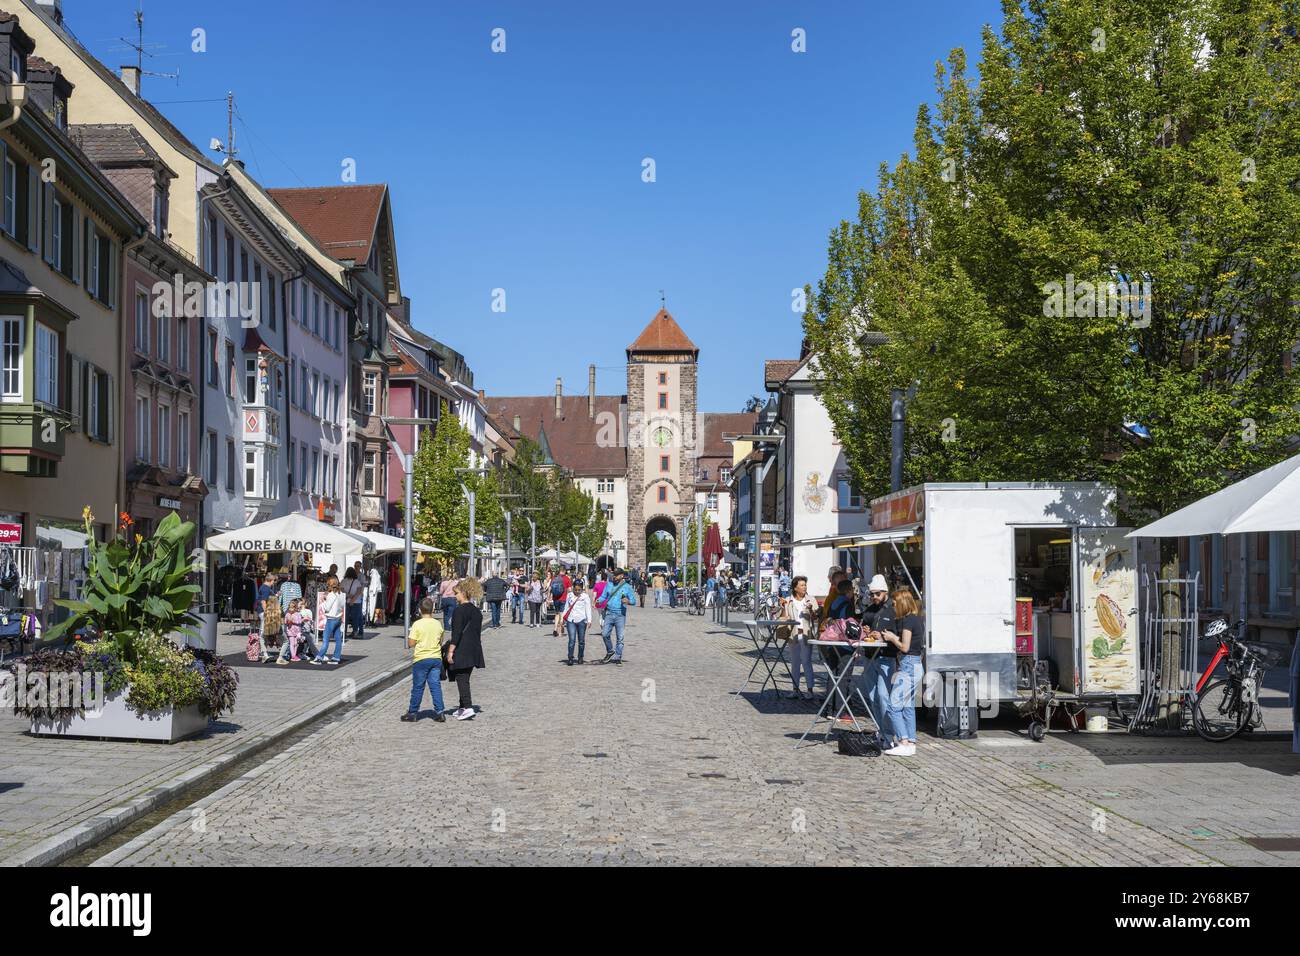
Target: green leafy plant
<point x="135" y="586"/>
<point x="163" y="676"/>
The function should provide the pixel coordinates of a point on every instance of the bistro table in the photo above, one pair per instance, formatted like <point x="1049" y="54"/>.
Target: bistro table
<point x="852" y="651"/>
<point x="763" y="633"/>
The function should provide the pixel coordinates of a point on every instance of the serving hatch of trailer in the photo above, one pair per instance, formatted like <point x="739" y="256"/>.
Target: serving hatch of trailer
<point x="1029" y="584"/>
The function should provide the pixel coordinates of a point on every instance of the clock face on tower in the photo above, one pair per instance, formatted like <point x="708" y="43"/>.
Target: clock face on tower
<point x="663" y="437"/>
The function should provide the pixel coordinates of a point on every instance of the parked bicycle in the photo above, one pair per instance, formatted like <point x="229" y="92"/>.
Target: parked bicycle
<point x="1228" y="705"/>
<point x="695" y="601"/>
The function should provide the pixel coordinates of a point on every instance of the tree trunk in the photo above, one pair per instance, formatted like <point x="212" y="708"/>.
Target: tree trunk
<point x="1171" y="636"/>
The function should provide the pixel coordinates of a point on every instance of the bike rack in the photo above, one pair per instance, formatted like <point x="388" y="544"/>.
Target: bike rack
<point x="1179" y="683"/>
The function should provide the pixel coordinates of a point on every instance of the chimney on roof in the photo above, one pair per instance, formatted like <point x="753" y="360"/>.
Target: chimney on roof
<point x="515" y="423"/>
<point x="591" y="391"/>
<point x="52" y="8"/>
<point x="131" y="77"/>
<point x="559" y="398"/>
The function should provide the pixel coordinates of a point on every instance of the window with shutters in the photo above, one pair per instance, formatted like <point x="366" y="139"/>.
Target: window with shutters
<point x="214" y="371"/>
<point x="230" y="464"/>
<point x="250" y="472"/>
<point x="210" y="467"/>
<point x="230" y="376"/>
<point x="56" y="234"/>
<point x="98" y="400"/>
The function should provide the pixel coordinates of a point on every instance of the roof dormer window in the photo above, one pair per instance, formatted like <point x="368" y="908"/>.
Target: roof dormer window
<point x="17" y="66"/>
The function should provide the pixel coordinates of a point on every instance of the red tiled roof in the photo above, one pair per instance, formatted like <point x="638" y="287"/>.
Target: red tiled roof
<point x="663" y="334"/>
<point x="343" y="219"/>
<point x="573" y="435"/>
<point x="777" y="371"/>
<point x="718" y="424"/>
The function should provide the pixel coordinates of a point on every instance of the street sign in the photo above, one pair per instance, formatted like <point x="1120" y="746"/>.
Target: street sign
<point x="766" y="527"/>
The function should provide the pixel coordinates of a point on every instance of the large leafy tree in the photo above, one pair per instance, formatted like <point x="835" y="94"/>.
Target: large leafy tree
<point x="1104" y="143"/>
<point x="562" y="508"/>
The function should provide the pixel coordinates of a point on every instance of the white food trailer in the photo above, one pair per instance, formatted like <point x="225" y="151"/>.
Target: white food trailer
<point x="994" y="559"/>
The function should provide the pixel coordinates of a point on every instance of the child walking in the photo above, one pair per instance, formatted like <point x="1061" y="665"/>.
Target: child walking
<point x="293" y="625"/>
<point x="426" y="668"/>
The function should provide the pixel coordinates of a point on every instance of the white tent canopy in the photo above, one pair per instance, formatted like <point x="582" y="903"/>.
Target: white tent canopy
<point x="387" y="543"/>
<point x="566" y="557"/>
<point x="294" y="533"/>
<point x="1268" y="501"/>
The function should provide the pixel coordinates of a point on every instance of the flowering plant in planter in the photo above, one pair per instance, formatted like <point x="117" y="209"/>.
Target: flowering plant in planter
<point x="137" y="592"/>
<point x="163" y="675"/>
<point x="135" y="586"/>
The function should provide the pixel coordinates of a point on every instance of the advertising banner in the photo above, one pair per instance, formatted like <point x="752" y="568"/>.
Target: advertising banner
<point x="1107" y="601"/>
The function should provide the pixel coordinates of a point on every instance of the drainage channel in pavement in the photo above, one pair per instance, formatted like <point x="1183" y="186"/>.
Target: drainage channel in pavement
<point x="95" y="851"/>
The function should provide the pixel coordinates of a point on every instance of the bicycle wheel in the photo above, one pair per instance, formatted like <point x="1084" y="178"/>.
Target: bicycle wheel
<point x="1219" y="715"/>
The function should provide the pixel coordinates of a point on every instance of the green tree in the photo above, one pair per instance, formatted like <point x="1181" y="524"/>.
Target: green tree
<point x="562" y="507"/>
<point x="441" y="509"/>
<point x="1107" y="144"/>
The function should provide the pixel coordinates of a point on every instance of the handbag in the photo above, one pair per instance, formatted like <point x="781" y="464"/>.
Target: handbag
<point x="854" y="744"/>
<point x="837" y="630"/>
<point x="254" y="649"/>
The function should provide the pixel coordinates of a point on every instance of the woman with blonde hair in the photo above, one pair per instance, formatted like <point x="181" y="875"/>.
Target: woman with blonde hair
<point x="334" y="606"/>
<point x="906" y="646"/>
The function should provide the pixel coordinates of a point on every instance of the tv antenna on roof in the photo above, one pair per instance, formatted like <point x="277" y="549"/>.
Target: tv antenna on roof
<point x="143" y="49"/>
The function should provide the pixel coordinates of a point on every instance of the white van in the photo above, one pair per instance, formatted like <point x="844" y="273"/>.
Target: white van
<point x="656" y="567"/>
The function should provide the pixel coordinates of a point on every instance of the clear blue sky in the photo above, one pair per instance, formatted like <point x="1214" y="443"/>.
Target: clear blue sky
<point x="522" y="170"/>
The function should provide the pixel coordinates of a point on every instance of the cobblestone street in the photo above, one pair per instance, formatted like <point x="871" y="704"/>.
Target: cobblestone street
<point x="657" y="762"/>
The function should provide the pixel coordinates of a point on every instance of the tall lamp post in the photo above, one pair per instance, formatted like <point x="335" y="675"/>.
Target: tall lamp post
<point x="470" y="567"/>
<point x="532" y="540"/>
<point x="508" y="541"/>
<point x="408" y="514"/>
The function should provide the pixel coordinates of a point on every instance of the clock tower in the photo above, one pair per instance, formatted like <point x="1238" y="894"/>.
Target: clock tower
<point x="661" y="434"/>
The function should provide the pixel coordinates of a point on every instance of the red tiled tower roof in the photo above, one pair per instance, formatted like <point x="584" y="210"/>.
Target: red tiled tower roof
<point x="663" y="334"/>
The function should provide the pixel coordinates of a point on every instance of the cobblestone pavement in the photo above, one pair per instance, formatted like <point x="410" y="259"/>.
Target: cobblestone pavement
<point x="657" y="762"/>
<point x="49" y="786"/>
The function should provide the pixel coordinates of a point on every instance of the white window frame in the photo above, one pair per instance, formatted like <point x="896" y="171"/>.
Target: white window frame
<point x="142" y="318"/>
<point x="56" y="233"/>
<point x="183" y="441"/>
<point x="370" y="392"/>
<point x="47" y="365"/>
<point x="370" y="472"/>
<point x="11" y="343"/>
<point x="164" y="435"/>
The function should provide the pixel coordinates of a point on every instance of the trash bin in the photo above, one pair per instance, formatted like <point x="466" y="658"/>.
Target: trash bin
<point x="958" y="704"/>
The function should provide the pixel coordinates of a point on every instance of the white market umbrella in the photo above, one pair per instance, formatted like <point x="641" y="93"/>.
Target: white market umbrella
<point x="388" y="543"/>
<point x="1268" y="501"/>
<point x="294" y="533"/>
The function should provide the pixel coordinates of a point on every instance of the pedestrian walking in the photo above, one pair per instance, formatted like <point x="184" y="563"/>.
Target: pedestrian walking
<point x="465" y="646"/>
<point x="518" y="585"/>
<point x="534" y="597"/>
<point x="335" y="603"/>
<point x="577" y="615"/>
<point x="426" y="661"/>
<point x="495" y="590"/>
<point x="447" y="595"/>
<point x="615" y="601"/>
<point x="375" y="598"/>
<point x="906" y="644"/>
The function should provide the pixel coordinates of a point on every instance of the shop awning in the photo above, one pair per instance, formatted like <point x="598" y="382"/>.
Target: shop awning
<point x="862" y="539"/>
<point x="1266" y="501"/>
<point x="294" y="533"/>
<point x="389" y="544"/>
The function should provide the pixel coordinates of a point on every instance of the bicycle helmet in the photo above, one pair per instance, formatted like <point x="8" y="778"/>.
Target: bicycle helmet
<point x="1216" y="628"/>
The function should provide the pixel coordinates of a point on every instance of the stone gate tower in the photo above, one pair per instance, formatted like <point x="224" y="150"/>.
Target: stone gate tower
<point x="661" y="433"/>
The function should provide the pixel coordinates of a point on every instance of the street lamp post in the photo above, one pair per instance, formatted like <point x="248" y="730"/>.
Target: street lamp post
<point x="408" y="516"/>
<point x="532" y="546"/>
<point x="471" y="566"/>
<point x="756" y="509"/>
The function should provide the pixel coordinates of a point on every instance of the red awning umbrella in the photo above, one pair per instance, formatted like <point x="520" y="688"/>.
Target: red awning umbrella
<point x="711" y="553"/>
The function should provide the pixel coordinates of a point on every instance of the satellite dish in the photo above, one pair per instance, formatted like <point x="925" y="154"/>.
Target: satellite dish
<point x="215" y="145"/>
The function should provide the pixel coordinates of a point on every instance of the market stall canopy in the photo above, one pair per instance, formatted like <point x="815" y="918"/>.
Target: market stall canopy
<point x="388" y="543"/>
<point x="294" y="533"/>
<point x="730" y="557"/>
<point x="565" y="556"/>
<point x="862" y="539"/>
<point x="1268" y="501"/>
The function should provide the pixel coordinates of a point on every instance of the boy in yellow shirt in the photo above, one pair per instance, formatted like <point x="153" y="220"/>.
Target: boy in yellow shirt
<point x="426" y="638"/>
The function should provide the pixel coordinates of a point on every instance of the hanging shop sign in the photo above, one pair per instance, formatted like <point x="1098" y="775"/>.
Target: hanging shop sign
<point x="172" y="503"/>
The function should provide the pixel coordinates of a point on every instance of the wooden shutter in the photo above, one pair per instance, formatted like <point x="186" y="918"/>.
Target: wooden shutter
<point x="111" y="298"/>
<point x="33" y="209"/>
<point x="109" y="404"/>
<point x="47" y="217"/>
<point x="74" y="241"/>
<point x="74" y="391"/>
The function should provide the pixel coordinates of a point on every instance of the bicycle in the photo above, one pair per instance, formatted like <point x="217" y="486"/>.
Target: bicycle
<point x="1227" y="706"/>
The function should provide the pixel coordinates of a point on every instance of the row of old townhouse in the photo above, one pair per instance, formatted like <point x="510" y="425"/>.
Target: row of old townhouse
<point x="178" y="338"/>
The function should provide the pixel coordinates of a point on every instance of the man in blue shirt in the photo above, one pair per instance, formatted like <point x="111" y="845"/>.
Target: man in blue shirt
<point x="614" y="602"/>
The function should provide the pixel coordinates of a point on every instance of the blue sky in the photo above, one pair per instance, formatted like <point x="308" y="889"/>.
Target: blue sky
<point x="522" y="170"/>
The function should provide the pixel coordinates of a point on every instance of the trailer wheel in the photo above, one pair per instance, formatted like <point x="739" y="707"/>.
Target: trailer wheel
<point x="1037" y="730"/>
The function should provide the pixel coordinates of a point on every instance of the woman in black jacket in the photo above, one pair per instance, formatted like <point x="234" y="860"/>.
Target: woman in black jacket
<point x="465" y="648"/>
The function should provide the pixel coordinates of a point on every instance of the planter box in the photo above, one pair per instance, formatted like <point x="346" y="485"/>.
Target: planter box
<point x="119" y="722"/>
